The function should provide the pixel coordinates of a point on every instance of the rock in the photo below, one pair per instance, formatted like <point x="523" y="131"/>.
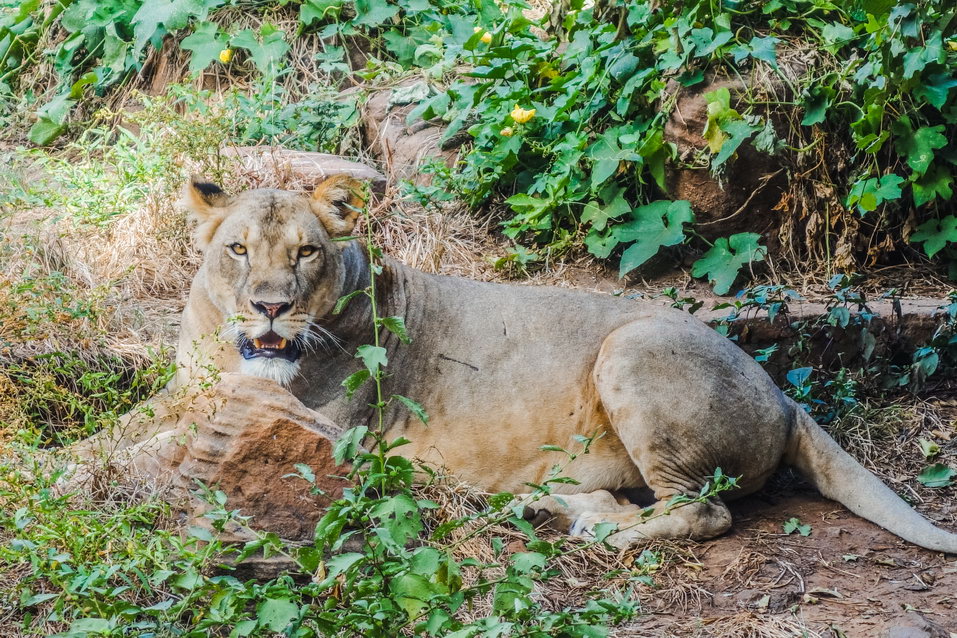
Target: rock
<point x="752" y="184"/>
<point x="243" y="436"/>
<point x="402" y="149"/>
<point x="301" y="170"/>
<point x="914" y="625"/>
<point x="246" y="439"/>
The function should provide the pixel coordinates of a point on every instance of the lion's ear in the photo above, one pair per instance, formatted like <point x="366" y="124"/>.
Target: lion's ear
<point x="337" y="203"/>
<point x="206" y="203"/>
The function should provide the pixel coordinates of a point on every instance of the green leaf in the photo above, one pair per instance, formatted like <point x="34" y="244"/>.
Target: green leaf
<point x="601" y="531"/>
<point x="525" y="562"/>
<point x="373" y="357"/>
<point x="917" y="147"/>
<point x="354" y="381"/>
<point x="413" y="407"/>
<point x="51" y="120"/>
<point x="937" y="475"/>
<point x="870" y="193"/>
<point x="935" y="234"/>
<point x="205" y="42"/>
<point x="275" y="614"/>
<point x="607" y="155"/>
<point x="265" y="48"/>
<point x="372" y="13"/>
<point x="653" y="225"/>
<point x="933" y="184"/>
<point x="349" y="444"/>
<point x="312" y="10"/>
<point x="728" y="255"/>
<point x="719" y="111"/>
<point x="928" y="448"/>
<point x="764" y="49"/>
<point x="399" y="517"/>
<point x="170" y="14"/>
<point x="396" y="325"/>
<point x="935" y="88"/>
<point x="815" y="101"/>
<point x="412" y="593"/>
<point x="345" y="299"/>
<point x="794" y="525"/>
<point x="738" y="131"/>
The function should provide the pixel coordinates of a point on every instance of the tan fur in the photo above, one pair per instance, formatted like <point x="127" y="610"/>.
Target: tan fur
<point x="504" y="370"/>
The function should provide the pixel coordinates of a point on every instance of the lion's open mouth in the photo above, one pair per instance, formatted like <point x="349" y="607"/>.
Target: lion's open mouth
<point x="270" y="346"/>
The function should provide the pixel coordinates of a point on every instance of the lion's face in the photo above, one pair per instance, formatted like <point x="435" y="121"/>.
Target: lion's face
<point x="271" y="267"/>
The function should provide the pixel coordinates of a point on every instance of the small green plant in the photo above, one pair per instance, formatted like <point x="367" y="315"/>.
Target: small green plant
<point x="794" y="525"/>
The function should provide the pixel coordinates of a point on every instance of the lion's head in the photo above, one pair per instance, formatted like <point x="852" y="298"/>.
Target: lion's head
<point x="270" y="265"/>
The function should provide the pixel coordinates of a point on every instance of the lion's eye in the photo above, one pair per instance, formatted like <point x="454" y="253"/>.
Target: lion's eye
<point x="306" y="251"/>
<point x="237" y="248"/>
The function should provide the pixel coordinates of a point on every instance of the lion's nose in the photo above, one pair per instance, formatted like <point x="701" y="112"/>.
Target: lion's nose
<point x="271" y="310"/>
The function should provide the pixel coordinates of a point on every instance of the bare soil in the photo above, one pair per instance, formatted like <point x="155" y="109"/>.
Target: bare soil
<point x="847" y="578"/>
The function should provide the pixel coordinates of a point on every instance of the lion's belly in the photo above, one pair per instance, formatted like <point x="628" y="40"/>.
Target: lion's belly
<point x="500" y="449"/>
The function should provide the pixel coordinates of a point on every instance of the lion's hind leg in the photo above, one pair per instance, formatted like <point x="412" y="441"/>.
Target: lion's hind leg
<point x="563" y="511"/>
<point x="695" y="520"/>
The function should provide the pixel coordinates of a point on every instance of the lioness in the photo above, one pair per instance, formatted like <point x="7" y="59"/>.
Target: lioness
<point x="504" y="370"/>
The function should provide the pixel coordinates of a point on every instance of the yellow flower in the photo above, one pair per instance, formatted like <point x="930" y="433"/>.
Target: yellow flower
<point x="952" y="44"/>
<point x="487" y="38"/>
<point x="225" y="56"/>
<point x="521" y="115"/>
<point x="507" y="131"/>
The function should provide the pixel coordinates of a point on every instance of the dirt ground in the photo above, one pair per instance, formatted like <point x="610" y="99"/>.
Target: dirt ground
<point x="847" y="578"/>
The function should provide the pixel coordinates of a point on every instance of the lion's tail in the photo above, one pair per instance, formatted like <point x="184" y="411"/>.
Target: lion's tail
<point x="840" y="477"/>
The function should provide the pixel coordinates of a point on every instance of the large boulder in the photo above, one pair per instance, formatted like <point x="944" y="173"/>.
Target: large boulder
<point x="243" y="436"/>
<point x="403" y="148"/>
<point x="300" y="170"/>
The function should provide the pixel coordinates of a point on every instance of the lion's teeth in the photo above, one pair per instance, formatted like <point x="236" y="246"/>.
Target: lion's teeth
<point x="282" y="343"/>
<point x="258" y="343"/>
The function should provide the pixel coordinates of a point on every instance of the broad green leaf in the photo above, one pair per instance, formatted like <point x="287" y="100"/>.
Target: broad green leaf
<point x="870" y="193"/>
<point x="728" y="255"/>
<point x="312" y="10"/>
<point x="413" y="407"/>
<point x="935" y="88"/>
<point x="349" y="444"/>
<point x="205" y="43"/>
<point x="396" y="325"/>
<point x="373" y="357"/>
<point x="600" y="244"/>
<point x="935" y="234"/>
<point x="737" y="132"/>
<point x="652" y="226"/>
<point x="399" y="518"/>
<point x="764" y="49"/>
<point x="917" y="147"/>
<point x="51" y="119"/>
<point x="937" y="475"/>
<point x="158" y="17"/>
<point x="525" y="562"/>
<point x="706" y="42"/>
<point x="836" y="36"/>
<point x="815" y="101"/>
<point x="607" y="155"/>
<point x="372" y="13"/>
<point x="266" y="48"/>
<point x="928" y="448"/>
<point x="275" y="614"/>
<point x="794" y="525"/>
<point x="412" y="593"/>
<point x="719" y="111"/>
<point x="345" y="299"/>
<point x="933" y="184"/>
<point x="597" y="214"/>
